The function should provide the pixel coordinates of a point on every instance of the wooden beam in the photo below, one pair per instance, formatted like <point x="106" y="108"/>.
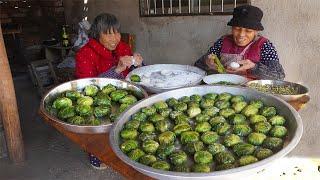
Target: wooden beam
<point x="8" y="109"/>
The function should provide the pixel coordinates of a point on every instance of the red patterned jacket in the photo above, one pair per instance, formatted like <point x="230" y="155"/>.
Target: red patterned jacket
<point x="94" y="59"/>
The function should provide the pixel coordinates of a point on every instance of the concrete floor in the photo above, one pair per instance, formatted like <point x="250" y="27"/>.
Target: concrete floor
<point x="49" y="155"/>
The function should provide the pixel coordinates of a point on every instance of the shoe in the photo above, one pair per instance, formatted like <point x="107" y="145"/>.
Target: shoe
<point x="101" y="167"/>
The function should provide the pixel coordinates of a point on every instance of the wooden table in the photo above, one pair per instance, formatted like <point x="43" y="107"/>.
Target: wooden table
<point x="98" y="144"/>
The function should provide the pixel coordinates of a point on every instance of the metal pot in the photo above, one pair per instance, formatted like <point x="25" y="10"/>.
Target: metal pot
<point x="294" y="125"/>
<point x="79" y="85"/>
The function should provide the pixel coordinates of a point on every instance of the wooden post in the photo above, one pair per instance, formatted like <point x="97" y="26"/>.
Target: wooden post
<point x="8" y="109"/>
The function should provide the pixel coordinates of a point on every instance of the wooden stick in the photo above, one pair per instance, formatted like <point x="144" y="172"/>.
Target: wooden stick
<point x="8" y="109"/>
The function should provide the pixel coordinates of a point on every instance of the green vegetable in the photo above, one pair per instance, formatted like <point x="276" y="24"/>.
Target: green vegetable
<point x="201" y="168"/>
<point x="257" y="118"/>
<point x="135" y="78"/>
<point x="262" y="127"/>
<point x="184" y="99"/>
<point x="256" y="138"/>
<point x="203" y="127"/>
<point x="239" y="106"/>
<point x="132" y="124"/>
<point x="181" y="168"/>
<point x="195" y="98"/>
<point x="257" y="103"/>
<point x="242" y="149"/>
<point x="162" y="126"/>
<point x="61" y="103"/>
<point x="155" y="118"/>
<point x="189" y="136"/>
<point x="225" y="166"/>
<point x="129" y="145"/>
<point x="273" y="143"/>
<point x="66" y="112"/>
<point x="73" y="95"/>
<point x="217" y="121"/>
<point x="222" y="104"/>
<point x="212" y="96"/>
<point x="181" y="106"/>
<point x="203" y="157"/>
<point x="202" y="118"/>
<point x="172" y="102"/>
<point x="178" y="158"/>
<point x="227" y="112"/>
<point x="181" y="119"/>
<point x="146" y="127"/>
<point x="165" y="150"/>
<point x="149" y="111"/>
<point x="220" y="68"/>
<point x="150" y="146"/>
<point x="118" y="94"/>
<point x="236" y="119"/>
<point x="245" y="160"/>
<point x="160" y="105"/>
<point x="167" y="137"/>
<point x="216" y="148"/>
<point x="77" y="120"/>
<point x="250" y="110"/>
<point x="268" y="111"/>
<point x="223" y="129"/>
<point x="207" y="103"/>
<point x="224" y="157"/>
<point x="108" y="89"/>
<point x="84" y="110"/>
<point x="129" y="99"/>
<point x="140" y="116"/>
<point x="102" y="100"/>
<point x="162" y="165"/>
<point x="165" y="112"/>
<point x="129" y="133"/>
<point x="101" y="111"/>
<point x="146" y="135"/>
<point x="85" y="100"/>
<point x="263" y="153"/>
<point x="193" y="112"/>
<point x="193" y="147"/>
<point x="136" y="154"/>
<point x="231" y="140"/>
<point x="237" y="98"/>
<point x="278" y="131"/>
<point x="242" y="129"/>
<point x="209" y="137"/>
<point x="277" y="120"/>
<point x="91" y="90"/>
<point x="175" y="114"/>
<point x="179" y="128"/>
<point x="211" y="111"/>
<point x="148" y="159"/>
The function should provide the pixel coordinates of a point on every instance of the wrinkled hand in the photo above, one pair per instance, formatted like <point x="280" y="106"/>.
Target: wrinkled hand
<point x="210" y="62"/>
<point x="244" y="66"/>
<point x="138" y="59"/>
<point x="124" y="63"/>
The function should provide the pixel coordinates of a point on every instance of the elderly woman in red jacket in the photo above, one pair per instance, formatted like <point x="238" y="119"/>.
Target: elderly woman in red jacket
<point x="105" y="55"/>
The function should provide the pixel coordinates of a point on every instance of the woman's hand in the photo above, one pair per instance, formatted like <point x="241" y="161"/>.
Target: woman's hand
<point x="244" y="66"/>
<point x="210" y="62"/>
<point x="137" y="59"/>
<point x="124" y="63"/>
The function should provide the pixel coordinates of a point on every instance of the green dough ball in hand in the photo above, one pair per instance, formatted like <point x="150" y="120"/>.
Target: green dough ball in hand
<point x="135" y="78"/>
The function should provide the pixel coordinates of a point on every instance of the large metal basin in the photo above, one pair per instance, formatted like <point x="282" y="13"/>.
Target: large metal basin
<point x="79" y="85"/>
<point x="295" y="129"/>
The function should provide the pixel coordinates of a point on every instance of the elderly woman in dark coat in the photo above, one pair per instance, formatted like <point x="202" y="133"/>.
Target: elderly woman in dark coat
<point x="256" y="55"/>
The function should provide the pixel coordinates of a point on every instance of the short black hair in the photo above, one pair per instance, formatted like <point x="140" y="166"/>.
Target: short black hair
<point x="104" y="23"/>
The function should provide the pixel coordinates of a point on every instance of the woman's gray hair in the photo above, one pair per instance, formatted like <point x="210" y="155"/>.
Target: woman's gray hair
<point x="104" y="23"/>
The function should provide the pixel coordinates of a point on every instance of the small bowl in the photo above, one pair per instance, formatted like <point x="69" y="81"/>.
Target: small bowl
<point x="302" y="90"/>
<point x="229" y="78"/>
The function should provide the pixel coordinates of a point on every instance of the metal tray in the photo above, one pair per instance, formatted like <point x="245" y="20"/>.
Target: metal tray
<point x="302" y="90"/>
<point x="159" y="67"/>
<point x="79" y="85"/>
<point x="295" y="129"/>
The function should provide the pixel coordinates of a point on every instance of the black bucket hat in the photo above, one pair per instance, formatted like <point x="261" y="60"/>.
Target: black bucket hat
<point x="247" y="16"/>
